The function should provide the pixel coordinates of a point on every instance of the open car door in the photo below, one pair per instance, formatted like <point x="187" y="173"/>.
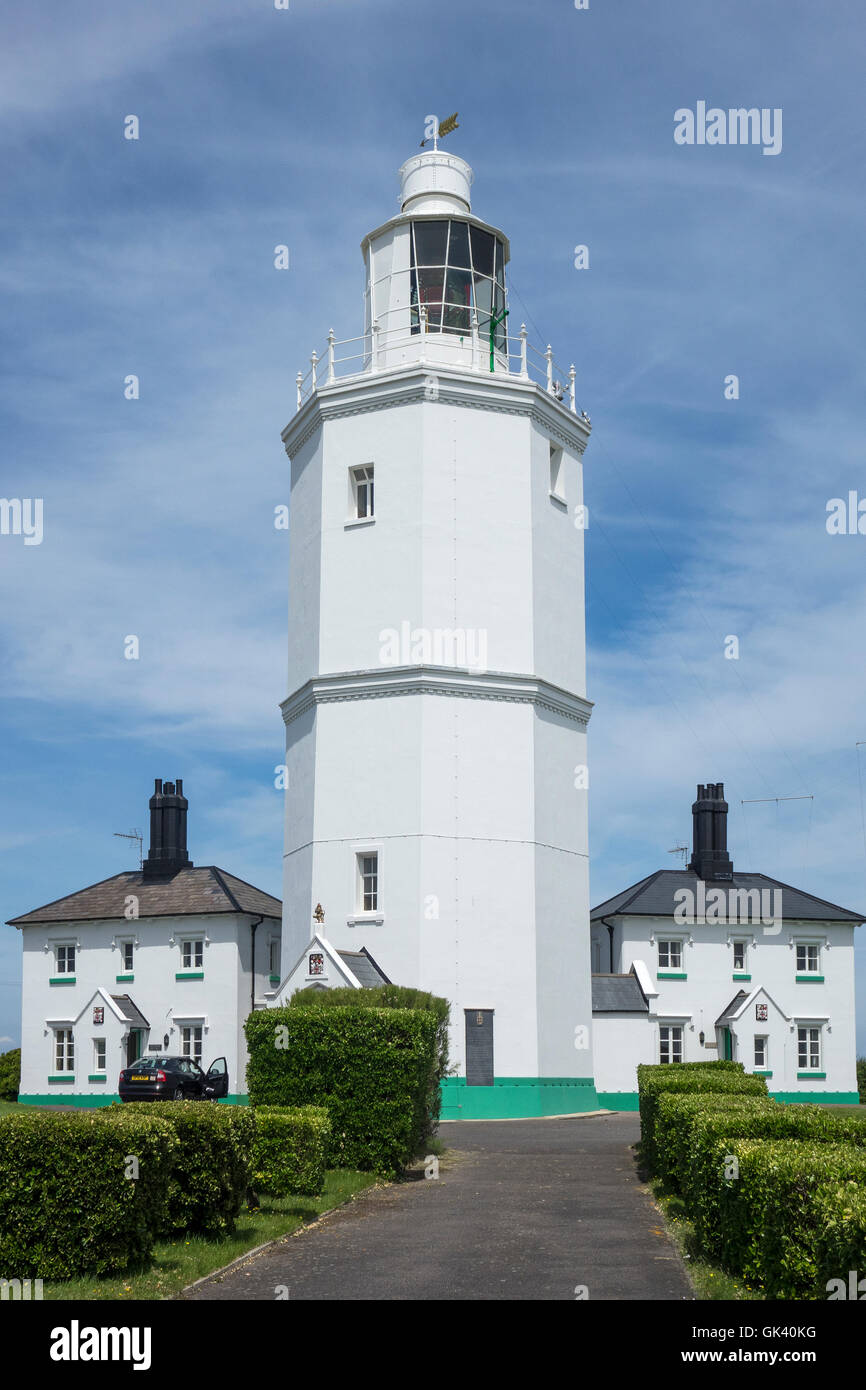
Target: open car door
<point x="217" y="1080"/>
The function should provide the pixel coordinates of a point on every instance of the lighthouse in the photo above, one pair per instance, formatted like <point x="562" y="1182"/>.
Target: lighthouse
<point x="436" y="797"/>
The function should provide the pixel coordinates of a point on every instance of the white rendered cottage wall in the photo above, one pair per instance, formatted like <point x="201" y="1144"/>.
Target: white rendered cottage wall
<point x="621" y="1042"/>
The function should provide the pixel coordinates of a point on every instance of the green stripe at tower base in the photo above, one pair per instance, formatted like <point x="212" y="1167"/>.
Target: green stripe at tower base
<point x="517" y="1097"/>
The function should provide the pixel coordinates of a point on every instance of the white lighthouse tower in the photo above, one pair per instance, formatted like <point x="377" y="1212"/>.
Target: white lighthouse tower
<point x="436" y="729"/>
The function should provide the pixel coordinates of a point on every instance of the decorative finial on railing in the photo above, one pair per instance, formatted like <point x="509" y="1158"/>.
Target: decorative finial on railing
<point x="313" y="363"/>
<point x="571" y="376"/>
<point x="524" y="369"/>
<point x="299" y="381"/>
<point x="549" y="356"/>
<point x="331" y="341"/>
<point x="374" y="360"/>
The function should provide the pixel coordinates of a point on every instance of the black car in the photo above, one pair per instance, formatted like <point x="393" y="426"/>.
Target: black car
<point x="173" y="1078"/>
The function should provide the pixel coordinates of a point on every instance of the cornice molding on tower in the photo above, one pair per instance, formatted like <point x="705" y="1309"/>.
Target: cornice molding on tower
<point x="507" y="395"/>
<point x="436" y="680"/>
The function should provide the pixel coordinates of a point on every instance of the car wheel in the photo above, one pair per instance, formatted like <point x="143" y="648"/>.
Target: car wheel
<point x="178" y="1093"/>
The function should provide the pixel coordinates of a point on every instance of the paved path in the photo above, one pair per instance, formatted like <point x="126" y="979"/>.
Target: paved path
<point x="523" y="1209"/>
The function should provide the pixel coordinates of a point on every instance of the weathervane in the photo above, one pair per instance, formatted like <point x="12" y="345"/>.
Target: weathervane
<point x="436" y="131"/>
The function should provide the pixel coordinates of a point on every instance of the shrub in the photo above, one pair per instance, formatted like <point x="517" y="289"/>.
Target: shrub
<point x="372" y="1068"/>
<point x="840" y="1239"/>
<point x="674" y="1122"/>
<point x="392" y="997"/>
<point x="861" y="1079"/>
<point x="770" y="1214"/>
<point x="290" y="1149"/>
<point x="67" y="1205"/>
<point x="10" y="1074"/>
<point x="212" y="1164"/>
<point x="654" y="1082"/>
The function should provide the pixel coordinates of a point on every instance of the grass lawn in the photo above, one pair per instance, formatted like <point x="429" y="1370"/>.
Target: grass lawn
<point x="7" y="1105"/>
<point x="177" y="1263"/>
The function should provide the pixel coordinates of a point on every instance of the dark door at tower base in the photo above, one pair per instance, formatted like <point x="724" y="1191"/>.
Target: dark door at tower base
<point x="479" y="1047"/>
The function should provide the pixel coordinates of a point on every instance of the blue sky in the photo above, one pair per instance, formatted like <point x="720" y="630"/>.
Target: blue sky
<point x="707" y="516"/>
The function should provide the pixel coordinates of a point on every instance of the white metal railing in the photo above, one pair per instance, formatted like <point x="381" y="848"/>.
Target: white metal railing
<point x="514" y="356"/>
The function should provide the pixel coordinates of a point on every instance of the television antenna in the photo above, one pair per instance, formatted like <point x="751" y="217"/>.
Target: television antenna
<point x="680" y="849"/>
<point x="133" y="835"/>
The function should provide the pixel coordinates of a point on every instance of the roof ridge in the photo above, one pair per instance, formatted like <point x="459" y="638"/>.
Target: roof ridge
<point x="804" y="893"/>
<point x="246" y="884"/>
<point x="217" y="873"/>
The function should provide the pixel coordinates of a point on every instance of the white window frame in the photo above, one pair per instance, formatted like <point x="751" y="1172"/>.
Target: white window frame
<point x="185" y="1042"/>
<point x="361" y="916"/>
<point x="670" y="941"/>
<point x="740" y="941"/>
<point x="191" y="943"/>
<point x="670" y="1029"/>
<point x="99" y="1068"/>
<point x="127" y="944"/>
<point x="362" y="493"/>
<point x="274" y="952"/>
<point x="557" y="472"/>
<point x="764" y="1039"/>
<point x="62" y="1067"/>
<point x="65" y="947"/>
<point x="808" y="1029"/>
<point x="807" y="946"/>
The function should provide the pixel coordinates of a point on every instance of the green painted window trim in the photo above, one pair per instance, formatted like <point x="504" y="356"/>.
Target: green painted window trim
<point x="66" y="1076"/>
<point x="762" y="1073"/>
<point x="741" y="977"/>
<point x="124" y="979"/>
<point x="672" y="975"/>
<point x="810" y="979"/>
<point x="811" y="1076"/>
<point x="274" y="979"/>
<point x="190" y="975"/>
<point x="98" y="1076"/>
<point x="62" y="980"/>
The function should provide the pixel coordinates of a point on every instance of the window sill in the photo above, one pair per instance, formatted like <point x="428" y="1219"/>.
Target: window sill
<point x="762" y="1073"/>
<point x="62" y="980"/>
<point x="65" y="1077"/>
<point x="98" y="1076"/>
<point x="741" y="977"/>
<point x="367" y="919"/>
<point x="123" y="979"/>
<point x="559" y="500"/>
<point x="670" y="975"/>
<point x="811" y="1076"/>
<point x="809" y="979"/>
<point x="274" y="979"/>
<point x="358" y="521"/>
<point x="190" y="975"/>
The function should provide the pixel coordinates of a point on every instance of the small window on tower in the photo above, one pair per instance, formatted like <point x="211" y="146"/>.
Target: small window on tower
<point x="368" y="882"/>
<point x="557" y="473"/>
<point x="362" y="492"/>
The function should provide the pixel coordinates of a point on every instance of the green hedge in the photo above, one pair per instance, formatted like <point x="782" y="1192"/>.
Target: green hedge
<point x="10" y="1074"/>
<point x="771" y="1214"/>
<point x="212" y="1165"/>
<point x="655" y="1081"/>
<point x="371" y="1068"/>
<point x="674" y="1121"/>
<point x="840" y="1239"/>
<point x="291" y="1149"/>
<point x="66" y="1206"/>
<point x="392" y="997"/>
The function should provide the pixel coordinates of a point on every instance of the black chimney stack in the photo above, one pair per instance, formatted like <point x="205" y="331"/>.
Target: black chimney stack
<point x="710" y="859"/>
<point x="168" y="808"/>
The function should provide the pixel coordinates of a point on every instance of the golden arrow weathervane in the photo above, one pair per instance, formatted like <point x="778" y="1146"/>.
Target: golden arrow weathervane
<point x="444" y="128"/>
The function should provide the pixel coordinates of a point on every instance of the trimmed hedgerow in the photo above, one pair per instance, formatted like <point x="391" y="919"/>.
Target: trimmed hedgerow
<point x="291" y="1148"/>
<point x="674" y="1118"/>
<point x="656" y="1068"/>
<point x="211" y="1168"/>
<point x="371" y="1068"/>
<point x="70" y="1200"/>
<point x="653" y="1083"/>
<point x="772" y="1207"/>
<point x="392" y="997"/>
<point x="10" y="1074"/>
<point x="840" y="1238"/>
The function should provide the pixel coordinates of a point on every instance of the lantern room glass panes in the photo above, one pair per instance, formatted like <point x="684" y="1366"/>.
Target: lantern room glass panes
<point x="457" y="269"/>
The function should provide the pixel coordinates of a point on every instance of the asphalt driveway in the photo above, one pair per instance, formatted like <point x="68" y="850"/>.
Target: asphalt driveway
<point x="522" y="1209"/>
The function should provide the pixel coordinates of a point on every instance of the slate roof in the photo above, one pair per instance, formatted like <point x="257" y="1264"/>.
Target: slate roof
<point x="364" y="968"/>
<point x="728" y="1013"/>
<point x="654" y="897"/>
<point x="130" y="1012"/>
<point x="189" y="891"/>
<point x="617" y="994"/>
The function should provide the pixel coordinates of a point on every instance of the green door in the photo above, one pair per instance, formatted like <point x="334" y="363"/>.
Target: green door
<point x="729" y="1050"/>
